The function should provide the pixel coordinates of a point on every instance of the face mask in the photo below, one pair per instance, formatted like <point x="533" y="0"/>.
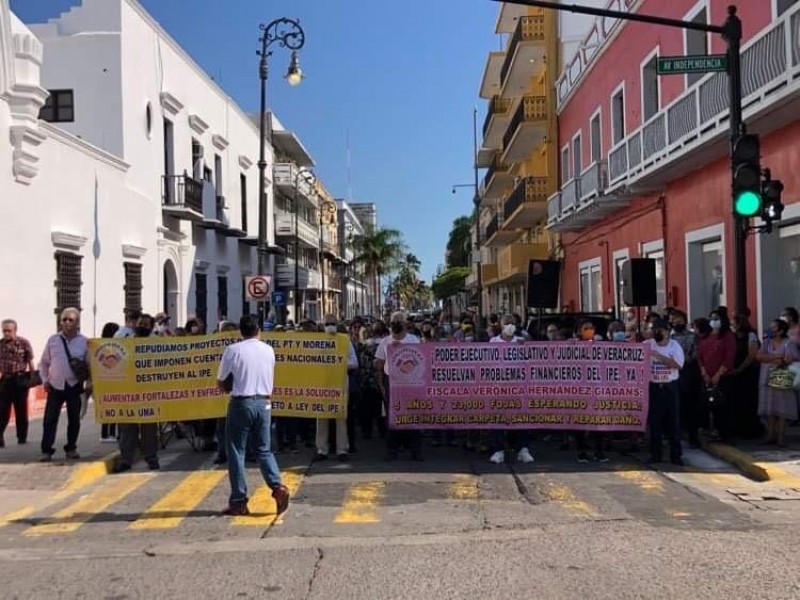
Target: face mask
<point x="716" y="324"/>
<point x="143" y="332"/>
<point x="679" y="327"/>
<point x="658" y="336"/>
<point x="770" y="334"/>
<point x="785" y="319"/>
<point x="509" y="330"/>
<point x="397" y="328"/>
<point x="330" y="328"/>
<point x="619" y="336"/>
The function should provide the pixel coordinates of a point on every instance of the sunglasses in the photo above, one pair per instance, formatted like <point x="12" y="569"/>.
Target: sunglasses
<point x="67" y="320"/>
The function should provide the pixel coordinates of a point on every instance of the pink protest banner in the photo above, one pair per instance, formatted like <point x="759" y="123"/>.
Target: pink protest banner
<point x="591" y="386"/>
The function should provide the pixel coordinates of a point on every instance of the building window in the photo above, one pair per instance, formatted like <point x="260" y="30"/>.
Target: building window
<point x="201" y="297"/>
<point x="197" y="160"/>
<point x="619" y="261"/>
<point x="577" y="161"/>
<point x="618" y="116"/>
<point x="696" y="44"/>
<point x="565" y="165"/>
<point x="68" y="282"/>
<point x="706" y="276"/>
<point x="245" y="301"/>
<point x="218" y="174"/>
<point x="243" y="196"/>
<point x="782" y="6"/>
<point x="650" y="92"/>
<point x="133" y="286"/>
<point x="59" y="107"/>
<point x="661" y="282"/>
<point x="596" y="139"/>
<point x="591" y="284"/>
<point x="222" y="297"/>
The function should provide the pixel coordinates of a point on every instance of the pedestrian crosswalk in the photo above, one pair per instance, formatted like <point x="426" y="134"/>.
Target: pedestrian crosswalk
<point x="151" y="502"/>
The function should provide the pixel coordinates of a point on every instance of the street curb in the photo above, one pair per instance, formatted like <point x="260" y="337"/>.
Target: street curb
<point x="741" y="460"/>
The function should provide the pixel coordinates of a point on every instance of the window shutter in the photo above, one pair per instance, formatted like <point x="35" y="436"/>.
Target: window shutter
<point x="222" y="297"/>
<point x="133" y="286"/>
<point x="201" y="297"/>
<point x="68" y="282"/>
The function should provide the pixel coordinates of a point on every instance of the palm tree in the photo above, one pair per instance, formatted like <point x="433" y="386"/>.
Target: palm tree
<point x="380" y="251"/>
<point x="459" y="244"/>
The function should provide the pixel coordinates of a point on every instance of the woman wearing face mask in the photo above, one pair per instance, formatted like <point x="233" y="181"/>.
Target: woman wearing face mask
<point x="586" y="332"/>
<point x="518" y="439"/>
<point x="777" y="406"/>
<point x="790" y="316"/>
<point x="689" y="379"/>
<point x="616" y="332"/>
<point x="716" y="355"/>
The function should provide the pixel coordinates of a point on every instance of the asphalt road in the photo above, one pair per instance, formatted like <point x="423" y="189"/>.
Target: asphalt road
<point x="451" y="527"/>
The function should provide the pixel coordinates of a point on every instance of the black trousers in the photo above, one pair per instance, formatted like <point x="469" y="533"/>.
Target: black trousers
<point x="411" y="439"/>
<point x="14" y="393"/>
<point x="664" y="419"/>
<point x="369" y="412"/>
<point x="693" y="401"/>
<point x="71" y="396"/>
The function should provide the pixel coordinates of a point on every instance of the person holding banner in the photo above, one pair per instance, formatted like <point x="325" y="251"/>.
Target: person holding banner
<point x="250" y="365"/>
<point x="498" y="437"/>
<point x="666" y="362"/>
<point x="412" y="439"/>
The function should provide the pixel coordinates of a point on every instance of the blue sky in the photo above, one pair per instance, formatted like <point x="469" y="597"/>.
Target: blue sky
<point x="402" y="77"/>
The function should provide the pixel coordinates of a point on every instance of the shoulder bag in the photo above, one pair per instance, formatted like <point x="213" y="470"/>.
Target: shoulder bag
<point x="79" y="366"/>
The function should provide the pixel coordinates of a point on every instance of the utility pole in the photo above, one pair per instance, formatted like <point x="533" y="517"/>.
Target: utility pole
<point x="477" y="201"/>
<point x="731" y="32"/>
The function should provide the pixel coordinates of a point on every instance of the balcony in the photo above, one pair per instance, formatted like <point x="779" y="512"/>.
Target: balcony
<point x="489" y="273"/>
<point x="285" y="175"/>
<point x="307" y="233"/>
<point x="512" y="261"/>
<point x="497" y="234"/>
<point x="527" y="129"/>
<point x="490" y="83"/>
<point x="496" y="180"/>
<point x="307" y="278"/>
<point x="333" y="282"/>
<point x="496" y="122"/>
<point x="329" y="243"/>
<point x="693" y="130"/>
<point x="527" y="204"/>
<point x="524" y="55"/>
<point x="182" y="197"/>
<point x="584" y="200"/>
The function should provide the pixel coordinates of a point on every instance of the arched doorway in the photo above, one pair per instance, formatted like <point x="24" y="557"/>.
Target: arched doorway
<point x="170" y="287"/>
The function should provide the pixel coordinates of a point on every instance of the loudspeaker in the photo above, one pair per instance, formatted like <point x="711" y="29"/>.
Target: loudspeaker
<point x="639" y="282"/>
<point x="543" y="283"/>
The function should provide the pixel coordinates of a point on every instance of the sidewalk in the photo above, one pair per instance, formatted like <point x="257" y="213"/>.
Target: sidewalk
<point x="764" y="463"/>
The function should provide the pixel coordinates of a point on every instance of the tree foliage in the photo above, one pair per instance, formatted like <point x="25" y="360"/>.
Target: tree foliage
<point x="450" y="283"/>
<point x="459" y="243"/>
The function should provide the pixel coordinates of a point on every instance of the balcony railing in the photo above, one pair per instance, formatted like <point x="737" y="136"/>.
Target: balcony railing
<point x="570" y="193"/>
<point x="528" y="190"/>
<point x="529" y="29"/>
<point x="492" y="227"/>
<point x="182" y="191"/>
<point x="497" y="106"/>
<point x="307" y="278"/>
<point x="553" y="208"/>
<point x="496" y="167"/>
<point x="531" y="108"/>
<point x="770" y="74"/>
<point x="221" y="207"/>
<point x="306" y="232"/>
<point x="594" y="180"/>
<point x="285" y="175"/>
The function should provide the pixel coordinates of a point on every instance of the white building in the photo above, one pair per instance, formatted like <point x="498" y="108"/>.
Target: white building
<point x="141" y="192"/>
<point x="356" y="295"/>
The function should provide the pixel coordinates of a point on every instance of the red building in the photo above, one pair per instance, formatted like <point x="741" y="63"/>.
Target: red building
<point x="644" y="159"/>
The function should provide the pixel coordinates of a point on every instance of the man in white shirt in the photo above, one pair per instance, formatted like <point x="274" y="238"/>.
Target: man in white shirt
<point x="323" y="425"/>
<point x="412" y="439"/>
<point x="666" y="361"/>
<point x="62" y="384"/>
<point x="250" y="365"/>
<point x="131" y="320"/>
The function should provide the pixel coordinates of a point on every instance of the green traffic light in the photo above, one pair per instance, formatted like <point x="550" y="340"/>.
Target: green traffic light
<point x="748" y="204"/>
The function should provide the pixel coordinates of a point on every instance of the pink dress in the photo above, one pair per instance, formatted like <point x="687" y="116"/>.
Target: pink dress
<point x="772" y="402"/>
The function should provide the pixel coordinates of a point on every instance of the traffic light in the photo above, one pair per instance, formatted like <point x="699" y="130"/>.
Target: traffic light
<point x="771" y="193"/>
<point x="747" y="200"/>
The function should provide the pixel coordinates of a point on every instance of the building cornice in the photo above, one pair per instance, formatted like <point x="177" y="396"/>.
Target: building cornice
<point x="68" y="241"/>
<point x="198" y="125"/>
<point x="131" y="251"/>
<point x="219" y="142"/>
<point x="201" y="265"/>
<point x="171" y="104"/>
<point x="245" y="162"/>
<point x="56" y="133"/>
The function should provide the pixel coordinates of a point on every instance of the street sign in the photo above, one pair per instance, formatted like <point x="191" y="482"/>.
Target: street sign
<point x="700" y="63"/>
<point x="257" y="287"/>
<point x="278" y="298"/>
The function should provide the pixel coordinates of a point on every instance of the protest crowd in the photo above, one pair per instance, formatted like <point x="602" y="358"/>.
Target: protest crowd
<point x="711" y="378"/>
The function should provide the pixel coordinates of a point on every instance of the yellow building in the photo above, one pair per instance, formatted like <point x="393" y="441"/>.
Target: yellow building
<point x="520" y="153"/>
<point x="330" y="261"/>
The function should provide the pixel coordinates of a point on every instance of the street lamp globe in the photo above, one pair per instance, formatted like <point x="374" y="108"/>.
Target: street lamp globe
<point x="295" y="74"/>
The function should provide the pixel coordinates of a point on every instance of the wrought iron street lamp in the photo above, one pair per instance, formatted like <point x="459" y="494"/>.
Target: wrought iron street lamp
<point x="307" y="175"/>
<point x="327" y="216"/>
<point x="287" y="33"/>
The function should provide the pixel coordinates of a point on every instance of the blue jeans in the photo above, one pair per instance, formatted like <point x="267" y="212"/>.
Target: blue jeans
<point x="249" y="416"/>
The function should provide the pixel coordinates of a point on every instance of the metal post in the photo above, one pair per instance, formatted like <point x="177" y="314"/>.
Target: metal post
<point x="477" y="201"/>
<point x="262" y="168"/>
<point x="296" y="290"/>
<point x="321" y="266"/>
<point x="733" y="36"/>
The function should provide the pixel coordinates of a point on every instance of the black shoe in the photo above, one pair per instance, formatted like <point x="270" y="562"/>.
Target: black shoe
<point x="320" y="457"/>
<point x="153" y="464"/>
<point x="22" y="442"/>
<point x="678" y="462"/>
<point x="583" y="457"/>
<point x="220" y="460"/>
<point x="343" y="457"/>
<point x="46" y="458"/>
<point x="121" y="467"/>
<point x="600" y="456"/>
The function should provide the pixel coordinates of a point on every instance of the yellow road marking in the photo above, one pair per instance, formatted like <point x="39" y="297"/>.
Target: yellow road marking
<point x="73" y="516"/>
<point x="85" y="475"/>
<point x="169" y="511"/>
<point x="262" y="505"/>
<point x="563" y="495"/>
<point x="679" y="514"/>
<point x="360" y="503"/>
<point x="465" y="487"/>
<point x="16" y="515"/>
<point x="645" y="480"/>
